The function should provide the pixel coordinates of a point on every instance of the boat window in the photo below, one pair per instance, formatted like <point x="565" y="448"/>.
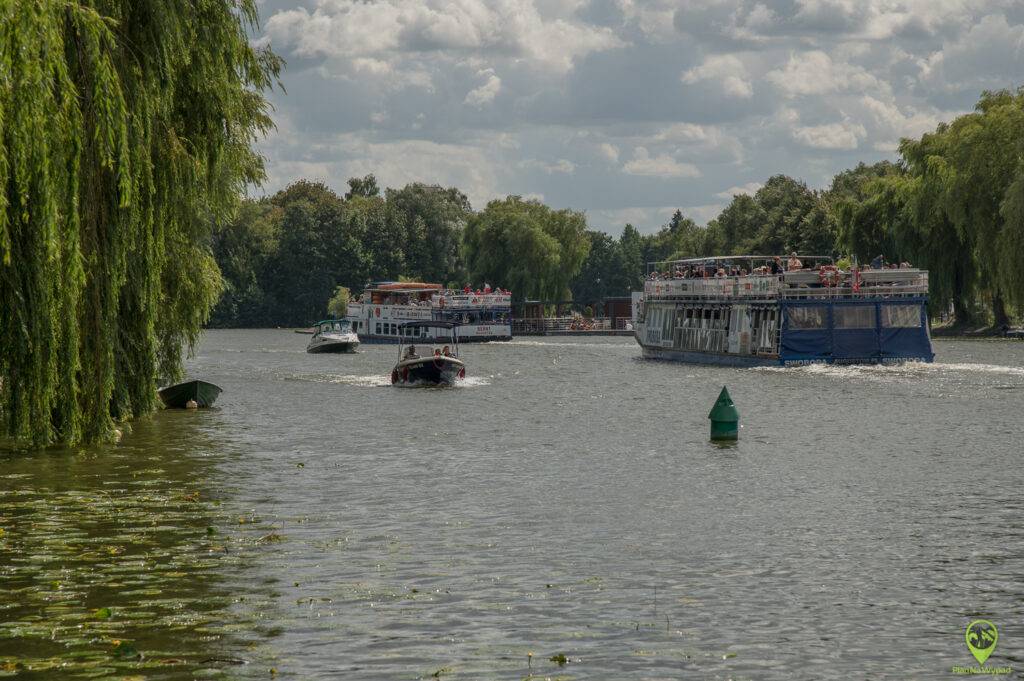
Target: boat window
<point x="854" y="317"/>
<point x="901" y="316"/>
<point x="807" y="317"/>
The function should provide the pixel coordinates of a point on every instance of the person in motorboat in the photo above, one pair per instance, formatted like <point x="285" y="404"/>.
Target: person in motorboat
<point x="446" y="352"/>
<point x="410" y="353"/>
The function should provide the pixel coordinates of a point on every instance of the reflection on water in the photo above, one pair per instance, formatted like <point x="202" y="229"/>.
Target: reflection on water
<point x="567" y="503"/>
<point x="118" y="560"/>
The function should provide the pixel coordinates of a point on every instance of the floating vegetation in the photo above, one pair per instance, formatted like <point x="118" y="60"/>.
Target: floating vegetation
<point x="109" y="570"/>
<point x="560" y="659"/>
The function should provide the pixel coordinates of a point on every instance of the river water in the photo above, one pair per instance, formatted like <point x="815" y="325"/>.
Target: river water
<point x="564" y="502"/>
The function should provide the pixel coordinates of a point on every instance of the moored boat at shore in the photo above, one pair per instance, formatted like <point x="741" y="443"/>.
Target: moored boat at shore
<point x="179" y="395"/>
<point x="752" y="311"/>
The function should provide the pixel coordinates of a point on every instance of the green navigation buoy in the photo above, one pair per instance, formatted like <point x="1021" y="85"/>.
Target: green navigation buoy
<point x="725" y="419"/>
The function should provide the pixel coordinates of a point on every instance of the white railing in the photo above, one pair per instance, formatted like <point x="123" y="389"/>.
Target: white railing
<point x="722" y="287"/>
<point x="527" y="326"/>
<point x="472" y="300"/>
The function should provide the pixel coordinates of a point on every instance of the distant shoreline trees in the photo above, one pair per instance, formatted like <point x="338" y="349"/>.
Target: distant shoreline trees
<point x="953" y="203"/>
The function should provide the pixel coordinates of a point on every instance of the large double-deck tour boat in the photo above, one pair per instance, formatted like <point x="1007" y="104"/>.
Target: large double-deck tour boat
<point x="477" y="316"/>
<point x="783" y="310"/>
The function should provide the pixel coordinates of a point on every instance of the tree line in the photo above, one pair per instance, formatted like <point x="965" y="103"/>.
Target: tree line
<point x="953" y="202"/>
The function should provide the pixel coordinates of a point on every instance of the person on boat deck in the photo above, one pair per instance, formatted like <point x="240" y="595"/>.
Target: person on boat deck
<point x="776" y="266"/>
<point x="437" y="353"/>
<point x="446" y="352"/>
<point x="794" y="262"/>
<point x="467" y="289"/>
<point x="410" y="352"/>
<point x="878" y="262"/>
<point x="487" y="287"/>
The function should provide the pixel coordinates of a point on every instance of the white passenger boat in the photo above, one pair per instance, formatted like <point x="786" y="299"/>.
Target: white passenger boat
<point x="755" y="310"/>
<point x="333" y="335"/>
<point x="378" y="314"/>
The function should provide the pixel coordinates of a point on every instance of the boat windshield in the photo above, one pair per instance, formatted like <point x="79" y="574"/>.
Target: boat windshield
<point x="337" y="326"/>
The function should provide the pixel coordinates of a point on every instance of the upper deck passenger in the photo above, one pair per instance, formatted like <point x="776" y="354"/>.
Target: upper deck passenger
<point x="794" y="263"/>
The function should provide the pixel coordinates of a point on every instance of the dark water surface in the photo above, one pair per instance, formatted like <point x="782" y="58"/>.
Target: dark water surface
<point x="564" y="502"/>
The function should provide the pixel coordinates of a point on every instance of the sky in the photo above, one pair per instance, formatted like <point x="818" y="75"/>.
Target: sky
<point x="624" y="109"/>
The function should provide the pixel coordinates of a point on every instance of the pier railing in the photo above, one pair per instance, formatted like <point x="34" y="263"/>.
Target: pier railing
<point x="542" y="325"/>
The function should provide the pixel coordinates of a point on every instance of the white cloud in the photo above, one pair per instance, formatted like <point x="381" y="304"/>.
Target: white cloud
<point x="843" y="135"/>
<point x="609" y="151"/>
<point x="658" y="166"/>
<point x="814" y="73"/>
<point x="499" y="96"/>
<point x="750" y="188"/>
<point x="486" y="93"/>
<point x="562" y="165"/>
<point x="386" y="28"/>
<point x="727" y="70"/>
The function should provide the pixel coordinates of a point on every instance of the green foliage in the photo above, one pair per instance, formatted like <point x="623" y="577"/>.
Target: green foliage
<point x="362" y="186"/>
<point x="126" y="131"/>
<point x="434" y="218"/>
<point x="337" y="306"/>
<point x="284" y="255"/>
<point x="953" y="207"/>
<point x="527" y="246"/>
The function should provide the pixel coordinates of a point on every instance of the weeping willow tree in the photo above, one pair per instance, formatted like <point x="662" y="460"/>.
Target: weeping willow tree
<point x="126" y="132"/>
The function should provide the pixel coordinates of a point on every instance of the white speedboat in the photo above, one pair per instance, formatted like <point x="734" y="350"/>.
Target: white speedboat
<point x="333" y="335"/>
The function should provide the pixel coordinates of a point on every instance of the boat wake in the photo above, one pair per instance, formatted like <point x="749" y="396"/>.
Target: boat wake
<point x="889" y="371"/>
<point x="376" y="380"/>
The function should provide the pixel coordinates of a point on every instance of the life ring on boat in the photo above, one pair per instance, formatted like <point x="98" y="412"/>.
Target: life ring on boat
<point x="828" y="276"/>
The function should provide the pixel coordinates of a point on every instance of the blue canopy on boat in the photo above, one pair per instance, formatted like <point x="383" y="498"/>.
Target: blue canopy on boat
<point x="855" y="331"/>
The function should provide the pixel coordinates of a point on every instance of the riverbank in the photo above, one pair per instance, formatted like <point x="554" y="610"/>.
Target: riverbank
<point x="970" y="331"/>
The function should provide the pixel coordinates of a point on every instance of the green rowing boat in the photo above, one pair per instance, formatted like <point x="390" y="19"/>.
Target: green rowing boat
<point x="177" y="396"/>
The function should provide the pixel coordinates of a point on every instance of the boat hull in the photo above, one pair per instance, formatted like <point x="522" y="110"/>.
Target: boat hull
<point x="710" y="358"/>
<point x="427" y="372"/>
<point x="333" y="347"/>
<point x="746" y="361"/>
<point x="177" y="396"/>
